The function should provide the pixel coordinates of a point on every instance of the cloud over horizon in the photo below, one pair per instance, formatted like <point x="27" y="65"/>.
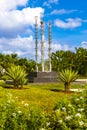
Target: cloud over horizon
<point x="68" y="23"/>
<point x="84" y="44"/>
<point x="23" y="46"/>
<point x="62" y="11"/>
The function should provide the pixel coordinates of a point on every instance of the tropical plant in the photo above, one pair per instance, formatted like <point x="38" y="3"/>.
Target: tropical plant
<point x="67" y="76"/>
<point x="80" y="61"/>
<point x="17" y="74"/>
<point x="66" y="59"/>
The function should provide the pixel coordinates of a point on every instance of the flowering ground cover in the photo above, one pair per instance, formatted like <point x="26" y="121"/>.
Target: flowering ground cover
<point x="42" y="107"/>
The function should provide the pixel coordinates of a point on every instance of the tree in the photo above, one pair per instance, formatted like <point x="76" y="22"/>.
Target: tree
<point x="56" y="59"/>
<point x="80" y="61"/>
<point x="17" y="74"/>
<point x="28" y="64"/>
<point x="62" y="60"/>
<point x="67" y="76"/>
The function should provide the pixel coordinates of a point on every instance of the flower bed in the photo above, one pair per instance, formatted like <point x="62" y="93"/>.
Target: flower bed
<point x="66" y="115"/>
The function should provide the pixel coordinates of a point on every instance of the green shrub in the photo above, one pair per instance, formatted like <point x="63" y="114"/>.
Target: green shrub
<point x="17" y="75"/>
<point x="70" y="115"/>
<point x="14" y="117"/>
<point x="67" y="76"/>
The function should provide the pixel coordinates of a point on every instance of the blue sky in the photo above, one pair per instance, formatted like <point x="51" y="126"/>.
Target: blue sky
<point x="17" y="19"/>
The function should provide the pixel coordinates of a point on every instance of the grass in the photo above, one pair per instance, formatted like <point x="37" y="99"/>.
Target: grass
<point x="38" y="96"/>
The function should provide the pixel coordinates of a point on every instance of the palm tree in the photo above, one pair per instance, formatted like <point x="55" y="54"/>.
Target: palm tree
<point x="17" y="75"/>
<point x="67" y="76"/>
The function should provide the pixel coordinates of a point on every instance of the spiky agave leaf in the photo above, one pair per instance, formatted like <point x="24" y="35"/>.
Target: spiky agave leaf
<point x="16" y="74"/>
<point x="68" y="75"/>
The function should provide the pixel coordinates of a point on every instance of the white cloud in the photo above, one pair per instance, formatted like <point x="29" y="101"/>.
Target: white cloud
<point x="84" y="44"/>
<point x="53" y="1"/>
<point x="62" y="11"/>
<point x="49" y="2"/>
<point x="16" y="21"/>
<point x="6" y="5"/>
<point x="69" y="23"/>
<point x="23" y="46"/>
<point x="56" y="47"/>
<point x="59" y="46"/>
<point x="13" y="23"/>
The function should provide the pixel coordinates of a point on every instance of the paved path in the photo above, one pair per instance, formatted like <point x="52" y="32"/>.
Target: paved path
<point x="82" y="80"/>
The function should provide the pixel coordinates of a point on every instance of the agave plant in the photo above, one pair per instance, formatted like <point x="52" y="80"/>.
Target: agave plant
<point x="67" y="76"/>
<point x="17" y="75"/>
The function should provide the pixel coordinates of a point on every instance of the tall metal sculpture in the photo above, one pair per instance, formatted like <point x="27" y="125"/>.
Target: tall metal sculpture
<point x="36" y="42"/>
<point x="43" y="76"/>
<point x="42" y="43"/>
<point x="49" y="43"/>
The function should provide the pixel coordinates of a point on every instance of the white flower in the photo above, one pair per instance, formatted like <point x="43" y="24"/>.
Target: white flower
<point x="81" y="123"/>
<point x="19" y="112"/>
<point x="85" y="124"/>
<point x="69" y="105"/>
<point x="68" y="117"/>
<point x="5" y="107"/>
<point x="14" y="114"/>
<point x="58" y="110"/>
<point x="8" y="101"/>
<point x="78" y="115"/>
<point x="60" y="121"/>
<point x="9" y="94"/>
<point x="80" y="109"/>
<point x="26" y="104"/>
<point x="77" y="99"/>
<point x="42" y="129"/>
<point x="81" y="97"/>
<point x="63" y="108"/>
<point x="48" y="123"/>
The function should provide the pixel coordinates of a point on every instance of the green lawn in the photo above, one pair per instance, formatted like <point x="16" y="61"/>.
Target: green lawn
<point x="41" y="96"/>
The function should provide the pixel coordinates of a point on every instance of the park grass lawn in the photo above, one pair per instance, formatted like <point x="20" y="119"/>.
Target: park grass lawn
<point x="38" y="96"/>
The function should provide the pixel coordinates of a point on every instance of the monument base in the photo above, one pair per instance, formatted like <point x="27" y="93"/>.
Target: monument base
<point x="44" y="77"/>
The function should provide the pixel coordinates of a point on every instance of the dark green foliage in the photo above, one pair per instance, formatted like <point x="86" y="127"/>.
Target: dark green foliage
<point x="76" y="61"/>
<point x="61" y="60"/>
<point x="6" y="60"/>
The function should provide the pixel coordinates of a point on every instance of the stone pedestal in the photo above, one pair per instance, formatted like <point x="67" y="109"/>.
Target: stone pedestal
<point x="43" y="77"/>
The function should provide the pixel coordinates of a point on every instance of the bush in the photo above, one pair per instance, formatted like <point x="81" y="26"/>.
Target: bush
<point x="70" y="115"/>
<point x="66" y="115"/>
<point x="67" y="76"/>
<point x="14" y="117"/>
<point x="17" y="75"/>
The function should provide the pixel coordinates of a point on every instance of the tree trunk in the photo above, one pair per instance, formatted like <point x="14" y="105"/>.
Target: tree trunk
<point x="15" y="83"/>
<point x="67" y="87"/>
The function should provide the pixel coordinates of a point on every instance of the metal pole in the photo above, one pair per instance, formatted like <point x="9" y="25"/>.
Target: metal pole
<point x="50" y="43"/>
<point x="36" y="42"/>
<point x="42" y="44"/>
